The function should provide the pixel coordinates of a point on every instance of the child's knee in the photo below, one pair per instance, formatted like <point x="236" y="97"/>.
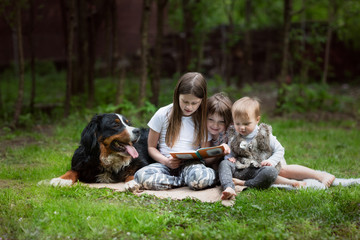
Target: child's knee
<point x="197" y="180"/>
<point x="143" y="174"/>
<point x="140" y="175"/>
<point x="225" y="165"/>
<point x="271" y="173"/>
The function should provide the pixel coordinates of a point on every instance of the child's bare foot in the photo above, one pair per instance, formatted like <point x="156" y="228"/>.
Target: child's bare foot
<point x="298" y="184"/>
<point x="228" y="193"/>
<point x="238" y="182"/>
<point x="326" y="178"/>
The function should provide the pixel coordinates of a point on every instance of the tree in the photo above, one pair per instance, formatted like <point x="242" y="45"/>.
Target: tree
<point x="82" y="62"/>
<point x="18" y="29"/>
<point x="155" y="82"/>
<point x="227" y="59"/>
<point x="11" y="10"/>
<point x="331" y="17"/>
<point x="247" y="73"/>
<point x="68" y="9"/>
<point x="284" y="65"/>
<point x="286" y="40"/>
<point x="144" y="50"/>
<point x="32" y="56"/>
<point x="188" y="25"/>
<point x="96" y="15"/>
<point x="304" y="61"/>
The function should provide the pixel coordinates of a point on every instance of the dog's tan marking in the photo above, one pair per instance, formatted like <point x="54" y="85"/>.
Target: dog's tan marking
<point x="104" y="151"/>
<point x="71" y="175"/>
<point x="123" y="137"/>
<point x="129" y="178"/>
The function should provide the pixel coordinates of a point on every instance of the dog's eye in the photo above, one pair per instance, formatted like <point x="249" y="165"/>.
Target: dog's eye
<point x="126" y="121"/>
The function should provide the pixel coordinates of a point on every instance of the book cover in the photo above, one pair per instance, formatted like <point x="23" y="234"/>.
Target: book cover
<point x="200" y="153"/>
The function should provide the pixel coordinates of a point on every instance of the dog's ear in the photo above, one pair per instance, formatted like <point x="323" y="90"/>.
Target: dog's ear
<point x="89" y="134"/>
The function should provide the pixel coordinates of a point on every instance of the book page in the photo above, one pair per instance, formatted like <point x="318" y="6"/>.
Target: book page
<point x="211" y="151"/>
<point x="184" y="155"/>
<point x="203" y="152"/>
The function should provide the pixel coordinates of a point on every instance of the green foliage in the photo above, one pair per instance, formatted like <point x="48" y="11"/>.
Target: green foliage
<point x="50" y="88"/>
<point x="312" y="97"/>
<point x="347" y="22"/>
<point x="130" y="110"/>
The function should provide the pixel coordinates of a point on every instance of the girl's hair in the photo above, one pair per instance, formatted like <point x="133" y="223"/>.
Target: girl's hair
<point x="190" y="83"/>
<point x="220" y="104"/>
<point x="244" y="106"/>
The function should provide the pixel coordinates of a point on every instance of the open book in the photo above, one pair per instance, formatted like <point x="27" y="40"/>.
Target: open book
<point x="200" y="153"/>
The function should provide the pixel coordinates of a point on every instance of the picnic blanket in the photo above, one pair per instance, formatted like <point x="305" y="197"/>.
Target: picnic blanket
<point x="206" y="195"/>
<point x="213" y="194"/>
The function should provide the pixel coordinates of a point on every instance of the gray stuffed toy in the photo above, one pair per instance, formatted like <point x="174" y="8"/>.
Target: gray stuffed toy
<point x="253" y="153"/>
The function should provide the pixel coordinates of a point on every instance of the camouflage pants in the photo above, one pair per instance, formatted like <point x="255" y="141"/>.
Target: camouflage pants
<point x="157" y="176"/>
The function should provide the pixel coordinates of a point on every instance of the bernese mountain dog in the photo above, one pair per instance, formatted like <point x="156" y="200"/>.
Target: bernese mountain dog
<point x="110" y="151"/>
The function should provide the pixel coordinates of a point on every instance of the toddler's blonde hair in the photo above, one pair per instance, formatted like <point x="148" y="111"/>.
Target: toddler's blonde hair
<point x="245" y="106"/>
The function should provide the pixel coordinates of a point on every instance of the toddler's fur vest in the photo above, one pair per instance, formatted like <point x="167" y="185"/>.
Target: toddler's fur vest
<point x="253" y="153"/>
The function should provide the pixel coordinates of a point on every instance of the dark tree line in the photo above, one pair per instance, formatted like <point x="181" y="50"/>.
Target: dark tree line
<point x="83" y="19"/>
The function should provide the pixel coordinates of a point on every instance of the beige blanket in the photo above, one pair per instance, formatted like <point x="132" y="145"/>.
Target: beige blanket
<point x="213" y="194"/>
<point x="208" y="195"/>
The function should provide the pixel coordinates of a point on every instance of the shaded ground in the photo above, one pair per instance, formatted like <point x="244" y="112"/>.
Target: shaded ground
<point x="16" y="142"/>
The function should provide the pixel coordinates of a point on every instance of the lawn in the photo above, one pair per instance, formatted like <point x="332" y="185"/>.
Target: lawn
<point x="30" y="211"/>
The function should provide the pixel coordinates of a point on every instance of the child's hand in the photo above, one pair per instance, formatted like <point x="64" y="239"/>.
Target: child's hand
<point x="173" y="163"/>
<point x="266" y="163"/>
<point x="232" y="159"/>
<point x="227" y="148"/>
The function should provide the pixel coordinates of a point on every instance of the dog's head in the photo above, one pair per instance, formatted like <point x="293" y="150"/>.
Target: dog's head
<point x="110" y="135"/>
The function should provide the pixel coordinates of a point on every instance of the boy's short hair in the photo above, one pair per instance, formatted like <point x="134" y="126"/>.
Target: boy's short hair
<point x="220" y="104"/>
<point x="245" y="105"/>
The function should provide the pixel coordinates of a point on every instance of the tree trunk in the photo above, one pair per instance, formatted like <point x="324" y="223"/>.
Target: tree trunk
<point x="120" y="84"/>
<point x="268" y="61"/>
<point x="32" y="57"/>
<point x="144" y="50"/>
<point x="331" y="18"/>
<point x="229" y="34"/>
<point x="69" y="50"/>
<point x="155" y="83"/>
<point x="109" y="39"/>
<point x="304" y="60"/>
<point x="81" y="69"/>
<point x="284" y="66"/>
<point x="114" y="35"/>
<point x="188" y="25"/>
<point x="1" y="104"/>
<point x="119" y="66"/>
<point x="91" y="64"/>
<point x="247" y="73"/>
<point x="286" y="40"/>
<point x="20" y="97"/>
<point x="200" y="50"/>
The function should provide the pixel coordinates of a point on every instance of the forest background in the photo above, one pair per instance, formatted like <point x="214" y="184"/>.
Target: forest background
<point x="62" y="57"/>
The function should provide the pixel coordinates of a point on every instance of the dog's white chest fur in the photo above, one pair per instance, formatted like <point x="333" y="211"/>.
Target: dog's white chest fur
<point x="112" y="163"/>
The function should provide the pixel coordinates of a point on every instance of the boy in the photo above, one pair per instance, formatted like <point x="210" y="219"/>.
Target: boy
<point x="256" y="155"/>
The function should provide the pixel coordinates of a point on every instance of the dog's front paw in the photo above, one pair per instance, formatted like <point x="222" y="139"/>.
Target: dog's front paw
<point x="132" y="186"/>
<point x="59" y="182"/>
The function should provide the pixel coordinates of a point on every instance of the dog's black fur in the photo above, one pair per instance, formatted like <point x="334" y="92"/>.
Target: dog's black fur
<point x="106" y="152"/>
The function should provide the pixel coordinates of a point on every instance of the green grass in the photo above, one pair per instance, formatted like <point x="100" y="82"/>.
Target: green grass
<point x="29" y="211"/>
<point x="27" y="156"/>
